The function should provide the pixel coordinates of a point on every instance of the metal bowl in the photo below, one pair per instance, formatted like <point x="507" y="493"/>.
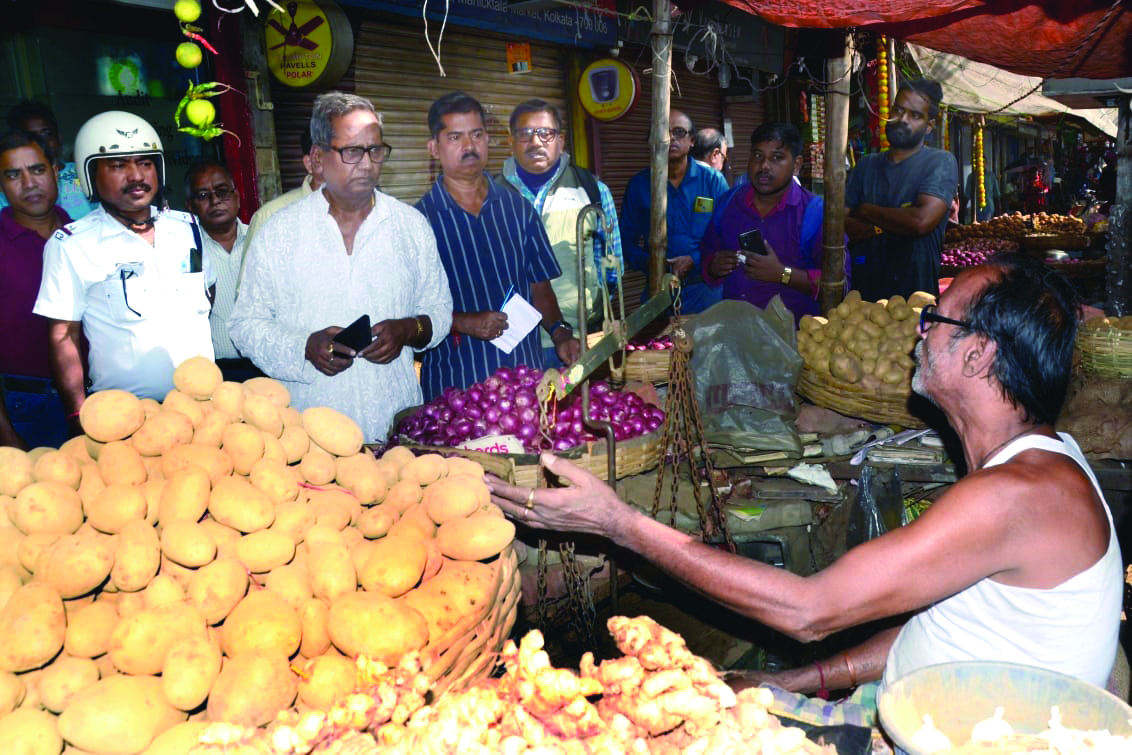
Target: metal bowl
<point x="959" y="695"/>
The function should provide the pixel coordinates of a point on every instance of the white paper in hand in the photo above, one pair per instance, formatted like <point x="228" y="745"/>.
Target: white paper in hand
<point x="522" y="318"/>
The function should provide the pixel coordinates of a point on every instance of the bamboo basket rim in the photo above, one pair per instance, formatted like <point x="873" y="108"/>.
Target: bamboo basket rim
<point x="1105" y="349"/>
<point x="1055" y="241"/>
<point x="848" y="398"/>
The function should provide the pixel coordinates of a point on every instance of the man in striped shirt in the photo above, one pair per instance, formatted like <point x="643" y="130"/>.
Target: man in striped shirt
<point x="493" y="245"/>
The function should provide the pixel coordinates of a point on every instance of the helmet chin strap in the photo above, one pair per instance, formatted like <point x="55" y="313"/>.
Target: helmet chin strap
<point x="138" y="226"/>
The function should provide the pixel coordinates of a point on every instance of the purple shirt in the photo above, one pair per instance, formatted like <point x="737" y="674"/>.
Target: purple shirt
<point x="24" y="350"/>
<point x="782" y="230"/>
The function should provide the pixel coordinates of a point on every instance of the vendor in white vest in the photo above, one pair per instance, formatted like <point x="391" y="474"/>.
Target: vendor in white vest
<point x="130" y="275"/>
<point x="1016" y="562"/>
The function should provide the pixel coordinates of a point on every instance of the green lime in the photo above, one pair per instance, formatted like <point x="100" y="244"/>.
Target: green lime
<point x="200" y="113"/>
<point x="189" y="55"/>
<point x="186" y="11"/>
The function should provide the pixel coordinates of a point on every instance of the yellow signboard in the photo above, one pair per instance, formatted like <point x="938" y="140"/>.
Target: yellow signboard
<point x="310" y="44"/>
<point x="608" y="89"/>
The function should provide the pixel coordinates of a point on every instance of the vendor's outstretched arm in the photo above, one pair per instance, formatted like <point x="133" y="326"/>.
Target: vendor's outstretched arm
<point x="916" y="219"/>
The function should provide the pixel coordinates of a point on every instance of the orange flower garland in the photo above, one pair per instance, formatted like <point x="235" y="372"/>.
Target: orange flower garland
<point x="980" y="165"/>
<point x="882" y="88"/>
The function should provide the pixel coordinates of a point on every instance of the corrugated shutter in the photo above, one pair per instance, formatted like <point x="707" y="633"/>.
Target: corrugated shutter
<point x="292" y="117"/>
<point x="394" y="68"/>
<point x="745" y="116"/>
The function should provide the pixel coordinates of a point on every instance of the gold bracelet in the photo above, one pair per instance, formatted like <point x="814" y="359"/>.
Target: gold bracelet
<point x="420" y="328"/>
<point x="852" y="673"/>
<point x="786" y="273"/>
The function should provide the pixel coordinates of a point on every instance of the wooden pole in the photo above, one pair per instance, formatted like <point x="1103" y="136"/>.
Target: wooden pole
<point x="661" y="73"/>
<point x="1118" y="279"/>
<point x="836" y="142"/>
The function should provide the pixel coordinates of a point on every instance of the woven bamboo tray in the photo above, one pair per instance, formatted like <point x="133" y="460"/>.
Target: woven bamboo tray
<point x="1043" y="241"/>
<point x="650" y="366"/>
<point x="850" y="399"/>
<point x="1106" y="349"/>
<point x="469" y="651"/>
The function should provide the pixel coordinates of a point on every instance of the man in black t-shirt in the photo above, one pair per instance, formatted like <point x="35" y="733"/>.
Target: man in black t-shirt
<point x="897" y="201"/>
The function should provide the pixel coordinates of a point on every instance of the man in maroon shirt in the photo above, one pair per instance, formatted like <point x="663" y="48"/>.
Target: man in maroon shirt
<point x="31" y="413"/>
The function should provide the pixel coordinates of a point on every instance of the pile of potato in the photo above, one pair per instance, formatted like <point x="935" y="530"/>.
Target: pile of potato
<point x="217" y="557"/>
<point x="864" y="343"/>
<point x="1017" y="225"/>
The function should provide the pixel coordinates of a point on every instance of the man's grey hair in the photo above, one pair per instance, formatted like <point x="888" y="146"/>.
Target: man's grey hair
<point x="331" y="105"/>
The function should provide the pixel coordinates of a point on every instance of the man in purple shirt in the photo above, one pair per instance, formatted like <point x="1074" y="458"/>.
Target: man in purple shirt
<point x="31" y="413"/>
<point x="789" y="218"/>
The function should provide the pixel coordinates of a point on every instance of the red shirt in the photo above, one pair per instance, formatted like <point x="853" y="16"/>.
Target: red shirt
<point x="23" y="348"/>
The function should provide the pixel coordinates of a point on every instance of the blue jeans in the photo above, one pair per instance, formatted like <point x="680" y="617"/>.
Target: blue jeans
<point x="37" y="416"/>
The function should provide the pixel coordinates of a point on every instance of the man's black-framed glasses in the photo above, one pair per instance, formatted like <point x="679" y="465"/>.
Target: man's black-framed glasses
<point x="545" y="134"/>
<point x="929" y="316"/>
<point x="223" y="194"/>
<point x="378" y="153"/>
<point x="679" y="132"/>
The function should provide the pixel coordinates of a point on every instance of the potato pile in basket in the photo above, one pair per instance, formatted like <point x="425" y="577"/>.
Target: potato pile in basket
<point x="221" y="555"/>
<point x="1017" y="225"/>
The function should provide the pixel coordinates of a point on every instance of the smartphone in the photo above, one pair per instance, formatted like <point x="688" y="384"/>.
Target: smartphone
<point x="752" y="241"/>
<point x="357" y="335"/>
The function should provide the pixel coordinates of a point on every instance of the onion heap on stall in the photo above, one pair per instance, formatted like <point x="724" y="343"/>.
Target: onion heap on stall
<point x="165" y="564"/>
<point x="506" y="403"/>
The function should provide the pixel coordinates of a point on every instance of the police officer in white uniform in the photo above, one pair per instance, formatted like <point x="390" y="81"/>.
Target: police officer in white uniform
<point x="130" y="275"/>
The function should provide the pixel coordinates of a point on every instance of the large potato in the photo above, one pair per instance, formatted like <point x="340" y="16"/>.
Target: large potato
<point x="333" y="507"/>
<point x="180" y="739"/>
<point x="120" y="464"/>
<point x="273" y="449"/>
<point x="209" y="458"/>
<point x="140" y="642"/>
<point x="210" y="431"/>
<point x="376" y="521"/>
<point x="63" y="679"/>
<point x="161" y="432"/>
<point x="185" y="495"/>
<point x="10" y="581"/>
<point x="334" y="573"/>
<point x="30" y="731"/>
<point x="56" y="466"/>
<point x="12" y="691"/>
<point x="188" y="543"/>
<point x="270" y="388"/>
<point x="198" y="377"/>
<point x="237" y="503"/>
<point x="244" y="444"/>
<point x="111" y="415"/>
<point x="394" y="566"/>
<point x="229" y="398"/>
<point x="17" y="470"/>
<point x="454" y="497"/>
<point x="325" y="680"/>
<point x="354" y="615"/>
<point x="32" y="547"/>
<point x="295" y="443"/>
<point x="162" y="591"/>
<point x="314" y="615"/>
<point x="251" y="689"/>
<point x="47" y="507"/>
<point x="361" y="475"/>
<point x="333" y="431"/>
<point x="261" y="413"/>
<point x="76" y="564"/>
<point x="425" y="470"/>
<point x="317" y="466"/>
<point x="88" y="629"/>
<point x="216" y="588"/>
<point x="292" y="583"/>
<point x="137" y="557"/>
<point x="279" y="481"/>
<point x="187" y="405"/>
<point x="265" y="550"/>
<point x="477" y="537"/>
<point x="191" y="666"/>
<point x="403" y="495"/>
<point x="462" y="593"/>
<point x="261" y="622"/>
<point x="118" y="714"/>
<point x="32" y="625"/>
<point x="116" y="506"/>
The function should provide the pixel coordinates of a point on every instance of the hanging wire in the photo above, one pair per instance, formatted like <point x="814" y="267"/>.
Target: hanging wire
<point x="440" y="38"/>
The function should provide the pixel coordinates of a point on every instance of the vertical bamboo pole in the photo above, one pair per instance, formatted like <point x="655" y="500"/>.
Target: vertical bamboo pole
<point x="836" y="142"/>
<point x="661" y="73"/>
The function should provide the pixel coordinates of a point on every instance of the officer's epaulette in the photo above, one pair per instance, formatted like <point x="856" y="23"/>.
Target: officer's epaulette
<point x="181" y="215"/>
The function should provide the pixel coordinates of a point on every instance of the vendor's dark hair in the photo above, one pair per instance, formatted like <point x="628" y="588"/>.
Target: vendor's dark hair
<point x="1030" y="312"/>
<point x="771" y="131"/>
<point x="25" y="109"/>
<point x="16" y="139"/>
<point x="534" y="106"/>
<point x="930" y="89"/>
<point x="453" y="102"/>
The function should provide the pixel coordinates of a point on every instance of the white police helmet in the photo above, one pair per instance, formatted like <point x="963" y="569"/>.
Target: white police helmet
<point x="115" y="133"/>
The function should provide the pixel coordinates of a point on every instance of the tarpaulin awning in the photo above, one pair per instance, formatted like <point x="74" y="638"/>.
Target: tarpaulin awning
<point x="1046" y="38"/>
<point x="981" y="88"/>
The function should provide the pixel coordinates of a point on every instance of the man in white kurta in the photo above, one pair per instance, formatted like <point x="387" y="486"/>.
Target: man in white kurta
<point x="341" y="252"/>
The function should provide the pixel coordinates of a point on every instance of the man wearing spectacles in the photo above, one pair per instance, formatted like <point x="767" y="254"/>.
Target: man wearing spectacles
<point x="213" y="198"/>
<point x="692" y="192"/>
<point x="541" y="170"/>
<point x="341" y="253"/>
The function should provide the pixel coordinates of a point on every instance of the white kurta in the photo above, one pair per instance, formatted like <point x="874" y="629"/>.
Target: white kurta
<point x="298" y="279"/>
<point x="227" y="266"/>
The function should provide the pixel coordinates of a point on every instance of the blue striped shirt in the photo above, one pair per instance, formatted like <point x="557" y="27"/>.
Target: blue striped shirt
<point x="484" y="256"/>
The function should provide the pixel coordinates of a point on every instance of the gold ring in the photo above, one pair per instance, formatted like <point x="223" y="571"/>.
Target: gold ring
<point x="330" y="349"/>
<point x="530" y="504"/>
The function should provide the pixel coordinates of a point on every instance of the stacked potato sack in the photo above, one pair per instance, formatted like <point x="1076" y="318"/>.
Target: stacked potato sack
<point x="203" y="557"/>
<point x="658" y="698"/>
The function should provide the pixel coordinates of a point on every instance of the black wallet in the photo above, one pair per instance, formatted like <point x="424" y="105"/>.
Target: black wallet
<point x="357" y="335"/>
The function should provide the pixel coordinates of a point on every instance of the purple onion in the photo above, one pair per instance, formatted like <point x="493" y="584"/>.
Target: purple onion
<point x="473" y="411"/>
<point x="508" y="422"/>
<point x="506" y="404"/>
<point x="491" y="414"/>
<point x="474" y="394"/>
<point x="457" y="401"/>
<point x="528" y="416"/>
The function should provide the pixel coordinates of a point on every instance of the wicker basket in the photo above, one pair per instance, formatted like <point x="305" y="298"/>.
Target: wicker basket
<point x="1082" y="269"/>
<point x="1042" y="241"/>
<point x="850" y="399"/>
<point x="649" y="366"/>
<point x="468" y="651"/>
<point x="1106" y="349"/>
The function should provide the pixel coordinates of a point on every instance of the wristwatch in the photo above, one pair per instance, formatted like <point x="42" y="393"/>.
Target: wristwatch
<point x="556" y="325"/>
<point x="786" y="273"/>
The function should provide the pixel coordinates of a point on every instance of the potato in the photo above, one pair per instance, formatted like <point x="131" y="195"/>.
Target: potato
<point x="332" y="513"/>
<point x="335" y="574"/>
<point x="265" y="550"/>
<point x="394" y="566"/>
<point x="116" y="506"/>
<point x="198" y="377"/>
<point x="91" y="484"/>
<point x="119" y="714"/>
<point x="272" y="449"/>
<point x="403" y="495"/>
<point x="416" y="520"/>
<point x="63" y="679"/>
<point x="454" y="497"/>
<point x="390" y="471"/>
<point x="398" y="457"/>
<point x="186" y="496"/>
<point x="459" y="596"/>
<point x="111" y="415"/>
<point x="313" y="616"/>
<point x="10" y="581"/>
<point x="93" y="447"/>
<point x="361" y="475"/>
<point x="153" y="489"/>
<point x="278" y="481"/>
<point x="47" y="507"/>
<point x="333" y="431"/>
<point x="216" y="588"/>
<point x="12" y="691"/>
<point x="845" y="367"/>
<point x="140" y="642"/>
<point x="317" y="466"/>
<point x="187" y="543"/>
<point x="261" y="622"/>
<point x="214" y="461"/>
<point x="137" y="557"/>
<point x="76" y="564"/>
<point x="88" y="629"/>
<point x="17" y="470"/>
<point x="292" y="583"/>
<point x="191" y="666"/>
<point x="30" y="731"/>
<point x="458" y="465"/>
<point x="294" y="519"/>
<point x="424" y="470"/>
<point x="251" y="689"/>
<point x="295" y="442"/>
<point x="474" y="538"/>
<point x="353" y="615"/>
<point x="244" y="444"/>
<point x="129" y="604"/>
<point x="228" y="397"/>
<point x="325" y="680"/>
<point x="262" y="413"/>
<point x="236" y="503"/>
<point x="56" y="466"/>
<point x="376" y="520"/>
<point x="32" y="547"/>
<point x="32" y="625"/>
<point x="75" y="447"/>
<point x="161" y="432"/>
<point x="210" y="431"/>
<point x="187" y="405"/>
<point x="179" y="739"/>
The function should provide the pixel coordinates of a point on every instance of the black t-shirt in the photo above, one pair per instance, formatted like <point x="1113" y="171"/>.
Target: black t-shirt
<point x="889" y="263"/>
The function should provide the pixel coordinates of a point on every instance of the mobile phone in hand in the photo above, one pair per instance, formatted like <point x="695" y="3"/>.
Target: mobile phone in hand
<point x="357" y="335"/>
<point x="752" y="242"/>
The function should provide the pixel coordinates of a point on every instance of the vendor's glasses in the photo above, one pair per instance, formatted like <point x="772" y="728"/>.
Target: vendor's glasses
<point x="678" y="132"/>
<point x="378" y="153"/>
<point x="223" y="194"/>
<point x="544" y="134"/>
<point x="928" y="317"/>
